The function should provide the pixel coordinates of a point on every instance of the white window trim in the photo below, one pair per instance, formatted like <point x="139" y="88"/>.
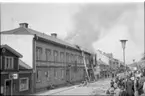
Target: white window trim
<point x="27" y="84"/>
<point x="12" y="62"/>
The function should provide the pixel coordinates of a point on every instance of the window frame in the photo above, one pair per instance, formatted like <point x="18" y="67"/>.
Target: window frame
<point x="55" y="55"/>
<point x="55" y="73"/>
<point x="27" y="88"/>
<point x="37" y="76"/>
<point x="67" y="57"/>
<point x="62" y="57"/>
<point x="39" y="55"/>
<point x="48" y="75"/>
<point x="9" y="65"/>
<point x="48" y="56"/>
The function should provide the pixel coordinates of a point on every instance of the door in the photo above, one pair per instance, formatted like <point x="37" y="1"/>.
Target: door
<point x="8" y="88"/>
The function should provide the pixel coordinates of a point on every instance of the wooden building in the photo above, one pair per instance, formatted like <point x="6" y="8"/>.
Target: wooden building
<point x="54" y="61"/>
<point x="15" y="75"/>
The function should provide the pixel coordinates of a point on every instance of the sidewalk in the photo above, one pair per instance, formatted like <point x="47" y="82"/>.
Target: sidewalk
<point x="58" y="90"/>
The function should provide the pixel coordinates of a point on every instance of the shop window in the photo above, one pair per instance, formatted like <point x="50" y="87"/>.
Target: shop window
<point x="38" y="53"/>
<point x="48" y="54"/>
<point x="24" y="84"/>
<point x="9" y="62"/>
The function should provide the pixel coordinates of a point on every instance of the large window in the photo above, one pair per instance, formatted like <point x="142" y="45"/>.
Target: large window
<point x="61" y="56"/>
<point x="47" y="74"/>
<point x="67" y="57"/>
<point x="38" y="75"/>
<point x="9" y="62"/>
<point x="55" y="53"/>
<point x="48" y="54"/>
<point x="82" y="61"/>
<point x="79" y="59"/>
<point x="87" y="60"/>
<point x="62" y="73"/>
<point x="55" y="73"/>
<point x="71" y="57"/>
<point x="24" y="84"/>
<point x="38" y="53"/>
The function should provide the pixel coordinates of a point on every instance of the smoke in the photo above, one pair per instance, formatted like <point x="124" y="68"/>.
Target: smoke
<point x="90" y="21"/>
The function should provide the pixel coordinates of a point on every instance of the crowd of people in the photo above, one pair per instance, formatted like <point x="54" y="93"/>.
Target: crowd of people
<point x="132" y="84"/>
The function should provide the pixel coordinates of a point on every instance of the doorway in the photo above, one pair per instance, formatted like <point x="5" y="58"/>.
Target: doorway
<point x="8" y="88"/>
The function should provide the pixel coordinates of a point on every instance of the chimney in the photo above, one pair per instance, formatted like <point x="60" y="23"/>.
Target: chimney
<point x="54" y="35"/>
<point x="25" y="25"/>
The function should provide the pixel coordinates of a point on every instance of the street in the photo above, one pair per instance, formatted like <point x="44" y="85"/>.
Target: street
<point x="96" y="88"/>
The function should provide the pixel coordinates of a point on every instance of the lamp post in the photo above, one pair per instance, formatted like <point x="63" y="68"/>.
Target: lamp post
<point x="123" y="42"/>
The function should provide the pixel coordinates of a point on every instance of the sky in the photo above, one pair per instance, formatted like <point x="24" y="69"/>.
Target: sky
<point x="91" y="25"/>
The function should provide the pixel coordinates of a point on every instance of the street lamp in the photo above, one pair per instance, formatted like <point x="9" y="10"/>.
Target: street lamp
<point x="123" y="42"/>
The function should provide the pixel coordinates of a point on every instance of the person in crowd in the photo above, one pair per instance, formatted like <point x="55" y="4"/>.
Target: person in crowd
<point x="123" y="91"/>
<point x="117" y="90"/>
<point x="129" y="86"/>
<point x="110" y="91"/>
<point x="136" y="84"/>
<point x="112" y="83"/>
<point x="140" y="86"/>
<point x="144" y="88"/>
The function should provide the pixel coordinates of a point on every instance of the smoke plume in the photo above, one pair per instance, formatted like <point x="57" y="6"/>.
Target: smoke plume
<point x="90" y="21"/>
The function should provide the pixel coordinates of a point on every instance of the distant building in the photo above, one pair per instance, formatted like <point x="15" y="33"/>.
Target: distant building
<point x="102" y="68"/>
<point x="16" y="76"/>
<point x="107" y="64"/>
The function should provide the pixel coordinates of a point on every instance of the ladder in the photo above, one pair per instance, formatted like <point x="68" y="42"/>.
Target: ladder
<point x="86" y="68"/>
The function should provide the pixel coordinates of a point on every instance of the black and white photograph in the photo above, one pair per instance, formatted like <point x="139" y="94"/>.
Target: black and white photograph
<point x="69" y="48"/>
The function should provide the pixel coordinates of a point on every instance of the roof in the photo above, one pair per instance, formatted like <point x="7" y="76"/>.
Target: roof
<point x="23" y="65"/>
<point x="25" y="31"/>
<point x="12" y="50"/>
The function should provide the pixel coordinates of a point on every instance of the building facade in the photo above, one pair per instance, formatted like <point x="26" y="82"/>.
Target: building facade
<point x="15" y="77"/>
<point x="54" y="62"/>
